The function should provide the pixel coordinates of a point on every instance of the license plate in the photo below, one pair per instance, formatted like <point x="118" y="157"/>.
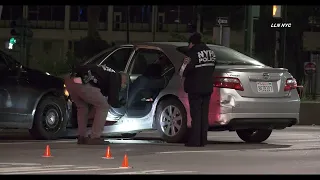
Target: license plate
<point x="264" y="87"/>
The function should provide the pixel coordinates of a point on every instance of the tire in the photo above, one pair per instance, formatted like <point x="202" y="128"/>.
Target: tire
<point x="128" y="135"/>
<point x="163" y="107"/>
<point x="43" y="128"/>
<point x="254" y="135"/>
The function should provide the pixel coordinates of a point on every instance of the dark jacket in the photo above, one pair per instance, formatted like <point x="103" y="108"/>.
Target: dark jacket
<point x="108" y="81"/>
<point x="198" y="72"/>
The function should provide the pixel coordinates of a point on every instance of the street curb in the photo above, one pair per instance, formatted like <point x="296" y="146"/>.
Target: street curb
<point x="309" y="113"/>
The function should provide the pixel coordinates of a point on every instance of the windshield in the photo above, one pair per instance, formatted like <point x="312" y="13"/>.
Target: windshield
<point x="228" y="56"/>
<point x="96" y="59"/>
<point x="10" y="60"/>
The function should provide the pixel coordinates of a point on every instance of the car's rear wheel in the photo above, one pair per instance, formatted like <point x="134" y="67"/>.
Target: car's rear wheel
<point x="254" y="135"/>
<point x="50" y="120"/>
<point x="171" y="120"/>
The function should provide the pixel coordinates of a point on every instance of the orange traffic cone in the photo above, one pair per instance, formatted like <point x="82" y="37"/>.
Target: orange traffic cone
<point x="125" y="163"/>
<point x="47" y="152"/>
<point x="108" y="154"/>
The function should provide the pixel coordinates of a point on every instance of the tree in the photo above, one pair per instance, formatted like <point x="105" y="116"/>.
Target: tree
<point x="93" y="15"/>
<point x="92" y="43"/>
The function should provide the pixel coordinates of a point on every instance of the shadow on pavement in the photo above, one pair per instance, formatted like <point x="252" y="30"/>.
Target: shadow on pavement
<point x="15" y="137"/>
<point x="209" y="143"/>
<point x="249" y="145"/>
<point x="212" y="145"/>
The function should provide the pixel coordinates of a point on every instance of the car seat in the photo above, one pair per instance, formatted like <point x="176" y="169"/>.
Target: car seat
<point x="153" y="74"/>
<point x="139" y="67"/>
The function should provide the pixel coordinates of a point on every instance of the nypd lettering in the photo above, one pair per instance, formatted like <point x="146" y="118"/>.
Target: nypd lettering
<point x="106" y="68"/>
<point x="206" y="56"/>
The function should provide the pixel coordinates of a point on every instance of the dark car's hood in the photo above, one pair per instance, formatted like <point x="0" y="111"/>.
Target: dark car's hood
<point x="38" y="72"/>
<point x="44" y="78"/>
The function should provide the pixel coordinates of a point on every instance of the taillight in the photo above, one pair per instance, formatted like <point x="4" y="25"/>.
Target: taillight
<point x="228" y="82"/>
<point x="291" y="83"/>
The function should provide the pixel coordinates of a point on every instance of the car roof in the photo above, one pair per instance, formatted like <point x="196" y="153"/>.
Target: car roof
<point x="169" y="48"/>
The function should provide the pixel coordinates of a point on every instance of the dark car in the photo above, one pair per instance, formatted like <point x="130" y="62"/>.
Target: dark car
<point x="31" y="99"/>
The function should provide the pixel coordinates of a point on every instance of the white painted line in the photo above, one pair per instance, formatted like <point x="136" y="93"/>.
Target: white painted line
<point x="302" y="140"/>
<point x="60" y="166"/>
<point x="107" y="157"/>
<point x="174" y="172"/>
<point x="125" y="173"/>
<point x="33" y="142"/>
<point x="66" y="170"/>
<point x="139" y="172"/>
<point x="150" y="171"/>
<point x="272" y="136"/>
<point x="28" y="169"/>
<point x="205" y="151"/>
<point x="21" y="164"/>
<point x="129" y="167"/>
<point x="291" y="149"/>
<point x="88" y="167"/>
<point x="238" y="150"/>
<point x="291" y="134"/>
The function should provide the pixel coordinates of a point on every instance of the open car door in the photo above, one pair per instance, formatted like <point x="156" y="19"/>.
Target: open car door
<point x="147" y="81"/>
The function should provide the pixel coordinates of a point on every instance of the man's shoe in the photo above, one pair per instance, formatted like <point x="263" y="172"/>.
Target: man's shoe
<point x="82" y="140"/>
<point x="97" y="141"/>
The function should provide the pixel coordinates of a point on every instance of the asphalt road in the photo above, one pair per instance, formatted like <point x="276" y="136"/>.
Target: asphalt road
<point x="290" y="151"/>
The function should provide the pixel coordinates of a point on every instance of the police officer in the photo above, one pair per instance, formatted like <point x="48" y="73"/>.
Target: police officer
<point x="90" y="85"/>
<point x="198" y="68"/>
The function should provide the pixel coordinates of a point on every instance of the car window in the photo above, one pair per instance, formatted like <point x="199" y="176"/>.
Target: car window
<point x="228" y="56"/>
<point x="119" y="59"/>
<point x="97" y="59"/>
<point x="166" y="63"/>
<point x="142" y="59"/>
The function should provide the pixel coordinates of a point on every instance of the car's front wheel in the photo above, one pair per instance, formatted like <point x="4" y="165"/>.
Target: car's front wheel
<point x="50" y="120"/>
<point x="254" y="135"/>
<point x="171" y="120"/>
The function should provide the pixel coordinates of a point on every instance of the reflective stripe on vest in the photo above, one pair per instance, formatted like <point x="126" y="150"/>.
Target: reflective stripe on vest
<point x="203" y="65"/>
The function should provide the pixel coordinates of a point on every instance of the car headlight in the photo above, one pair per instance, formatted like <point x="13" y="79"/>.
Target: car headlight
<point x="66" y="93"/>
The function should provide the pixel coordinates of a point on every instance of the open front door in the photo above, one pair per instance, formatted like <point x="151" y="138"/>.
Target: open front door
<point x="140" y="94"/>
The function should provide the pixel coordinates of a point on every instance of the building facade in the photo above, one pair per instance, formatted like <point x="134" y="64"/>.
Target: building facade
<point x="57" y="28"/>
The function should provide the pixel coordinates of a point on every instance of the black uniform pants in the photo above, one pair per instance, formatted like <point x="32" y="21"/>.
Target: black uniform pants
<point x="199" y="110"/>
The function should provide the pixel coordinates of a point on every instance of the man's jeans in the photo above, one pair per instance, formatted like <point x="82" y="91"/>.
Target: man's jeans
<point x="83" y="95"/>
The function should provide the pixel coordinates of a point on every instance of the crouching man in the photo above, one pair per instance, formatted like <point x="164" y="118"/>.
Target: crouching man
<point x="98" y="86"/>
